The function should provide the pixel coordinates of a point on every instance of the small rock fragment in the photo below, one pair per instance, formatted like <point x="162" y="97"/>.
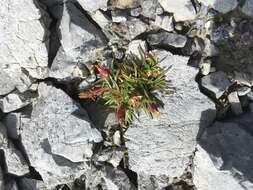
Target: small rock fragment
<point x="119" y="16"/>
<point x="167" y="39"/>
<point x="12" y="102"/>
<point x="117" y="138"/>
<point x="165" y="22"/>
<point x="183" y="9"/>
<point x="124" y="4"/>
<point x="91" y="5"/>
<point x="243" y="90"/>
<point x="205" y="68"/>
<point x="12" y="122"/>
<point x="235" y="103"/>
<point x="149" y="8"/>
<point x="216" y="83"/>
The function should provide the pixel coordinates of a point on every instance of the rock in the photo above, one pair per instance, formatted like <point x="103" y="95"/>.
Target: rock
<point x="152" y="182"/>
<point x="1" y="179"/>
<point x="117" y="138"/>
<point x="205" y="68"/>
<point x="136" y="12"/>
<point x="215" y="83"/>
<point x="23" y="40"/>
<point x="183" y="9"/>
<point x="224" y="155"/>
<point x="112" y="156"/>
<point x="124" y="4"/>
<point x="242" y="78"/>
<point x="234" y="101"/>
<point x="80" y="41"/>
<point x="222" y="6"/>
<point x="108" y="178"/>
<point x="134" y="46"/>
<point x="243" y="90"/>
<point x="250" y="96"/>
<point x="100" y="18"/>
<point x="12" y="102"/>
<point x="31" y="184"/>
<point x="251" y="107"/>
<point x="164" y="22"/>
<point x="15" y="164"/>
<point x="167" y="39"/>
<point x="248" y="8"/>
<point x="130" y="29"/>
<point x="91" y="6"/>
<point x="162" y="146"/>
<point x="11" y="184"/>
<point x="210" y="50"/>
<point x="149" y="8"/>
<point x="119" y="16"/>
<point x="58" y="137"/>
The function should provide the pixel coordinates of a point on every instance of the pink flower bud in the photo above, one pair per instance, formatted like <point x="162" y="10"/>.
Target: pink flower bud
<point x="153" y="109"/>
<point x="104" y="72"/>
<point x="120" y="114"/>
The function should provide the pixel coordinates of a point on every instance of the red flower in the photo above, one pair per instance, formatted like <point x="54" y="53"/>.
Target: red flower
<point x="120" y="114"/>
<point x="104" y="72"/>
<point x="153" y="109"/>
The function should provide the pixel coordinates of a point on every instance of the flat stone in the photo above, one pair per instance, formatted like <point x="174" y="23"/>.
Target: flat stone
<point x="166" y="142"/>
<point x="182" y="9"/>
<point x="224" y="155"/>
<point x="216" y="83"/>
<point x="23" y="38"/>
<point x="165" y="22"/>
<point x="15" y="164"/>
<point x="167" y="39"/>
<point x="235" y="103"/>
<point x="248" y="8"/>
<point x="223" y="6"/>
<point x="12" y="102"/>
<point x="58" y="137"/>
<point x="90" y="5"/>
<point x="124" y="4"/>
<point x="149" y="8"/>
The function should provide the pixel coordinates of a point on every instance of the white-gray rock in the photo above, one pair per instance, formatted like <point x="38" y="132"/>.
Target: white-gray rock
<point x="22" y="37"/>
<point x="216" y="83"/>
<point x="223" y="157"/>
<point x="12" y="123"/>
<point x="91" y="5"/>
<point x="80" y="42"/>
<point x="15" y="163"/>
<point x="12" y="102"/>
<point x="163" y="145"/>
<point x="183" y="9"/>
<point x="222" y="6"/>
<point x="1" y="179"/>
<point x="133" y="47"/>
<point x="235" y="103"/>
<point x="248" y="8"/>
<point x="164" y="39"/>
<point x="58" y="137"/>
<point x="165" y="22"/>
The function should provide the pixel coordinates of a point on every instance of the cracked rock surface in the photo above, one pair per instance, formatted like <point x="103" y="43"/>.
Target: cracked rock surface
<point x="52" y="140"/>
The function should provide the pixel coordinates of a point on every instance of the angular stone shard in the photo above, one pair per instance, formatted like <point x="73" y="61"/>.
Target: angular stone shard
<point x="162" y="146"/>
<point x="183" y="9"/>
<point x="58" y="137"/>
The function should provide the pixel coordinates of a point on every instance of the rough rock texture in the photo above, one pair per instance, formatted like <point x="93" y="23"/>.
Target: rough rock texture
<point x="216" y="83"/>
<point x="183" y="9"/>
<point x="80" y="42"/>
<point x="248" y="8"/>
<point x="162" y="146"/>
<point x="90" y="5"/>
<point x="15" y="163"/>
<point x="22" y="38"/>
<point x="165" y="39"/>
<point x="57" y="135"/>
<point x="222" y="6"/>
<point x="224" y="155"/>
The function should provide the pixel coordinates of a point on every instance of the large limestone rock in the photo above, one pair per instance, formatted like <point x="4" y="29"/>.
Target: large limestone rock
<point x="224" y="156"/>
<point x="22" y="41"/>
<point x="183" y="9"/>
<point x="222" y="6"/>
<point x="81" y="41"/>
<point x="163" y="145"/>
<point x="91" y="5"/>
<point x="58" y="137"/>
